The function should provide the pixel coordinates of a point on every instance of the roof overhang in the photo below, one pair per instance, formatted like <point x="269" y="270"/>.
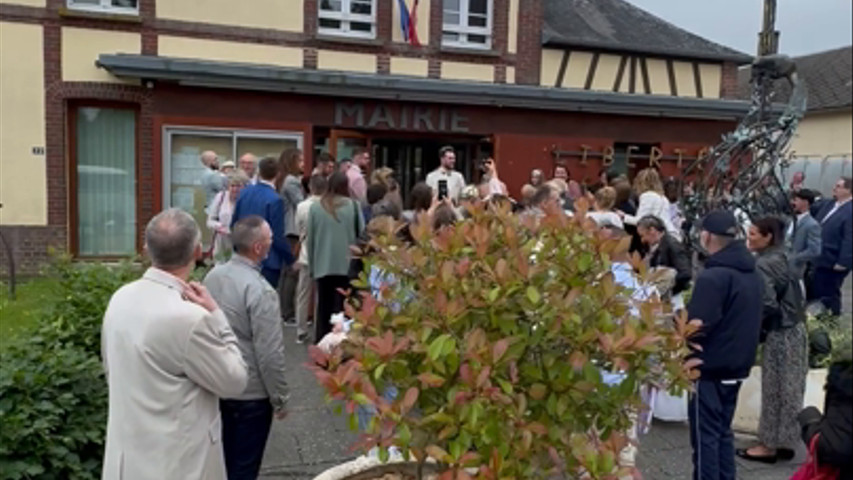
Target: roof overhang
<point x="241" y="76"/>
<point x="557" y="41"/>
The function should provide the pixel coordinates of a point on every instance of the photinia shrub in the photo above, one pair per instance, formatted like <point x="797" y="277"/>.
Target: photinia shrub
<point x="496" y="333"/>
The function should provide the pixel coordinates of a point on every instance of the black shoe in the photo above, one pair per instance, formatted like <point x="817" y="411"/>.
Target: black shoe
<point x="302" y="338"/>
<point x="785" y="454"/>
<point x="744" y="454"/>
<point x="290" y="322"/>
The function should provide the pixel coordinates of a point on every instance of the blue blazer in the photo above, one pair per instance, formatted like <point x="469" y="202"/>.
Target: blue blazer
<point x="263" y="201"/>
<point x="805" y="244"/>
<point x="837" y="236"/>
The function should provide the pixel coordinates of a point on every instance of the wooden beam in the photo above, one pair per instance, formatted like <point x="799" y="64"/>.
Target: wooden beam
<point x="670" y="69"/>
<point x="632" y="88"/>
<point x="620" y="73"/>
<point x="644" y="71"/>
<point x="561" y="74"/>
<point x="697" y="78"/>
<point x="593" y="66"/>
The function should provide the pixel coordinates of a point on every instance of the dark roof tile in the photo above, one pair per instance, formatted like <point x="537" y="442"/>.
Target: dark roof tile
<point x="828" y="76"/>
<point x="621" y="26"/>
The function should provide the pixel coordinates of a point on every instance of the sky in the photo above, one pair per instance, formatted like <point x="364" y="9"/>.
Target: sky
<point x="806" y="26"/>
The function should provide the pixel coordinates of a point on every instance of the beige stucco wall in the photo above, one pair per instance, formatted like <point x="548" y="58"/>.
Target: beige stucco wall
<point x="510" y="74"/>
<point x="512" y="28"/>
<point x="415" y="67"/>
<point x="274" y="14"/>
<point x="422" y="21"/>
<point x="346" y="61"/>
<point x="605" y="73"/>
<point x="183" y="47"/>
<point x="82" y="46"/>
<point x="824" y="134"/>
<point x="577" y="69"/>
<point x="550" y="66"/>
<point x="23" y="181"/>
<point x="467" y="71"/>
<point x="29" y="3"/>
<point x="711" y="77"/>
<point x="684" y="79"/>
<point x="658" y="76"/>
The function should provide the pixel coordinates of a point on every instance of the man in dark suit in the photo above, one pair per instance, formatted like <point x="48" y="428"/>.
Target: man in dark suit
<point x="836" y="256"/>
<point x="262" y="199"/>
<point x="803" y="232"/>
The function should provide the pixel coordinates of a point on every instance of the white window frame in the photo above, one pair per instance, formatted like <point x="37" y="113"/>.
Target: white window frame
<point x="463" y="29"/>
<point x="346" y="18"/>
<point x="234" y="134"/>
<point x="104" y="6"/>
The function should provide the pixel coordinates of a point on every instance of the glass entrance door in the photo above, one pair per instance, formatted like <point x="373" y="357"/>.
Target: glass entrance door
<point x="412" y="160"/>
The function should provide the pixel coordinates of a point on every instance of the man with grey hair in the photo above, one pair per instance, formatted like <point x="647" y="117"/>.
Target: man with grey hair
<point x="249" y="164"/>
<point x="252" y="307"/>
<point x="169" y="354"/>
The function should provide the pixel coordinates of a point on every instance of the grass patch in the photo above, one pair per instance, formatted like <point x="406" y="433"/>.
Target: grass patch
<point x="32" y="297"/>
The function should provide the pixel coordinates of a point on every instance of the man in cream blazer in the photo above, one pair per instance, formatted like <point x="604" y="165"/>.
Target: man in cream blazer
<point x="169" y="355"/>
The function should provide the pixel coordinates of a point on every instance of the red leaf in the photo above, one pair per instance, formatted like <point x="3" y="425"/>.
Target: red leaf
<point x="318" y="356"/>
<point x="513" y="372"/>
<point x="465" y="374"/>
<point x="431" y="380"/>
<point x="499" y="349"/>
<point x="483" y="377"/>
<point x="461" y="398"/>
<point x="410" y="399"/>
<point x="537" y="428"/>
<point x="577" y="360"/>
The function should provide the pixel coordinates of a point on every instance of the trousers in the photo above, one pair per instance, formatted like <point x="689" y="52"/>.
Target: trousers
<point x="826" y="287"/>
<point x="245" y="428"/>
<point x="329" y="302"/>
<point x="711" y="409"/>
<point x="304" y="292"/>
<point x="287" y="285"/>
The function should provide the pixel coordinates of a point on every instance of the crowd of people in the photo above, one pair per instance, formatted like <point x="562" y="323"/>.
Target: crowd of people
<point x="282" y="242"/>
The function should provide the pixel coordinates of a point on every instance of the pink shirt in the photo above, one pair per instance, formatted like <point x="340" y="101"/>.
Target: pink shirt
<point x="357" y="184"/>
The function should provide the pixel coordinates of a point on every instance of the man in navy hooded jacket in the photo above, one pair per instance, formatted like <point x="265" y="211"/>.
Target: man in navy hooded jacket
<point x="727" y="298"/>
<point x="262" y="199"/>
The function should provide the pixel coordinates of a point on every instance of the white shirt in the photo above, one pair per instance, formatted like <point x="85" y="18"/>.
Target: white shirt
<point x="455" y="181"/>
<point x="302" y="226"/>
<point x="834" y="209"/>
<point x="798" y="219"/>
<point x="604" y="219"/>
<point x="655" y="204"/>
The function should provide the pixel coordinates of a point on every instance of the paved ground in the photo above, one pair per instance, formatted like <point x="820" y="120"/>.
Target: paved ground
<point x="313" y="439"/>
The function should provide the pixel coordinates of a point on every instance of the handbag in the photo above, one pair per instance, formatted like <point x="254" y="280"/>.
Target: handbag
<point x="811" y="470"/>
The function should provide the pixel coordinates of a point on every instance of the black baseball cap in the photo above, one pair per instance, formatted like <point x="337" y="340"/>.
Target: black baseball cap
<point x="720" y="222"/>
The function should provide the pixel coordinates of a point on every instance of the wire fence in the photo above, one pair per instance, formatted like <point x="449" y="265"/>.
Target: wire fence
<point x="821" y="171"/>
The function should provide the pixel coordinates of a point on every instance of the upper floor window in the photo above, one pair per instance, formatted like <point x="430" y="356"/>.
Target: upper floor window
<point x="467" y="24"/>
<point x="351" y="18"/>
<point x="106" y="6"/>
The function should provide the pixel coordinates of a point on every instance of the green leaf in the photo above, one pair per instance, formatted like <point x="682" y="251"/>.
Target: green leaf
<point x="377" y="374"/>
<point x="494" y="294"/>
<point x="436" y="348"/>
<point x="533" y="295"/>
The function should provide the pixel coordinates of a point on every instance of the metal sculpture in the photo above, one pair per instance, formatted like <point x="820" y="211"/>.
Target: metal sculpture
<point x="743" y="174"/>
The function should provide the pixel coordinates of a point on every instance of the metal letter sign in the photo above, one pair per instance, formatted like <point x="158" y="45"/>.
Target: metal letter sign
<point x="423" y="118"/>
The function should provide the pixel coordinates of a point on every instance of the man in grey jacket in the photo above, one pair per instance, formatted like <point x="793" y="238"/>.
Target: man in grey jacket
<point x="252" y="307"/>
<point x="804" y="236"/>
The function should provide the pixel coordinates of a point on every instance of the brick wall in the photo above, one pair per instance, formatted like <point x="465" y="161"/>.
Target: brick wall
<point x="728" y="82"/>
<point x="30" y="247"/>
<point x="529" y="58"/>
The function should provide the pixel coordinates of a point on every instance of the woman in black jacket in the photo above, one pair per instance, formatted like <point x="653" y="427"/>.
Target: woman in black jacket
<point x="835" y="426"/>
<point x="784" y="362"/>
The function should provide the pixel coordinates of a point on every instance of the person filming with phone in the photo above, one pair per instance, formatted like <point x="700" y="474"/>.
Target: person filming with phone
<point x="444" y="180"/>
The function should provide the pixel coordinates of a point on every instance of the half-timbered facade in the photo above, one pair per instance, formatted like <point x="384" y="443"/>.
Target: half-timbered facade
<point x="106" y="104"/>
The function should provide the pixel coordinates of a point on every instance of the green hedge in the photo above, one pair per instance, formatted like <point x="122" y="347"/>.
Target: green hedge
<point x="53" y="395"/>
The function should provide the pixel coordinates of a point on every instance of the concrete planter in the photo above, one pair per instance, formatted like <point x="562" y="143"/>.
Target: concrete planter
<point x="370" y="468"/>
<point x="749" y="401"/>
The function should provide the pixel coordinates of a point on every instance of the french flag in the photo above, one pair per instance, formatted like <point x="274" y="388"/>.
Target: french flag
<point x="409" y="22"/>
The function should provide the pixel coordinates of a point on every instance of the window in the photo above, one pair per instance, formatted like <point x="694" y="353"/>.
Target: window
<point x="106" y="181"/>
<point x="467" y="24"/>
<point x="182" y="168"/>
<point x="106" y="6"/>
<point x="351" y="18"/>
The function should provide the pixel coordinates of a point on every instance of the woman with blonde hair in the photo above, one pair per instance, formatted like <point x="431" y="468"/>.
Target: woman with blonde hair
<point x="602" y="209"/>
<point x="652" y="201"/>
<point x="220" y="212"/>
